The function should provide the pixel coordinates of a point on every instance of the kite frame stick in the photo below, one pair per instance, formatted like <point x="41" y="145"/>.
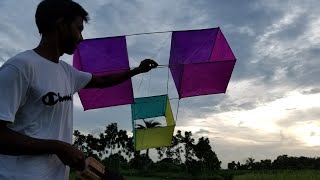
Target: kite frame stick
<point x="145" y="33"/>
<point x="161" y="32"/>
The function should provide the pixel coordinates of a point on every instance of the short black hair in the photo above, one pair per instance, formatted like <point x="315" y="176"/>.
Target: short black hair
<point x="49" y="11"/>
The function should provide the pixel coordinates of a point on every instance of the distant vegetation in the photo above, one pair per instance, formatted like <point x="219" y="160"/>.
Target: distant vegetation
<point x="283" y="162"/>
<point x="280" y="175"/>
<point x="185" y="159"/>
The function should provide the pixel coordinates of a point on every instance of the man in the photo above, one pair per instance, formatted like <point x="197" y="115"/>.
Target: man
<point x="36" y="136"/>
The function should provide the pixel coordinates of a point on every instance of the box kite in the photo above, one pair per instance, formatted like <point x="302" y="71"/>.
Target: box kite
<point x="201" y="62"/>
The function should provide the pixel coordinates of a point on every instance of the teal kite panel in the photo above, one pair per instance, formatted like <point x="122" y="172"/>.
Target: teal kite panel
<point x="148" y="107"/>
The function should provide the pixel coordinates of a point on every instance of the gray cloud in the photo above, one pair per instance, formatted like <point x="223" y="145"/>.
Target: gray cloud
<point x="237" y="143"/>
<point x="276" y="44"/>
<point x="313" y="133"/>
<point x="5" y="54"/>
<point x="296" y="116"/>
<point x="97" y="120"/>
<point x="202" y="132"/>
<point x="312" y="91"/>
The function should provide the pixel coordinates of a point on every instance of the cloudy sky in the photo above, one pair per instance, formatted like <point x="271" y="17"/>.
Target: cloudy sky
<point x="272" y="104"/>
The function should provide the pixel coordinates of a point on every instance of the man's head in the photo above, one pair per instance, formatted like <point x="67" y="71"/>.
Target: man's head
<point x="62" y="19"/>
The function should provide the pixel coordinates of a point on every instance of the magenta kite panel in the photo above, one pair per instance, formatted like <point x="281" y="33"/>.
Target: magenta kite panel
<point x="201" y="62"/>
<point x="104" y="56"/>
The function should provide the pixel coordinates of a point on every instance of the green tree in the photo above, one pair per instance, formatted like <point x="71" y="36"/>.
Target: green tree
<point x="171" y="152"/>
<point x="93" y="147"/>
<point x="250" y="163"/>
<point x="190" y="163"/>
<point x="87" y="144"/>
<point x="79" y="140"/>
<point x="111" y="136"/>
<point x="206" y="156"/>
<point x="161" y="152"/>
<point x="126" y="143"/>
<point x="232" y="166"/>
<point x="188" y="142"/>
<point x="265" y="164"/>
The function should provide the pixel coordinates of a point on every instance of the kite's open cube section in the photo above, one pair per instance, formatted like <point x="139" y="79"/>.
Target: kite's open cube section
<point x="201" y="62"/>
<point x="103" y="56"/>
<point x="149" y="107"/>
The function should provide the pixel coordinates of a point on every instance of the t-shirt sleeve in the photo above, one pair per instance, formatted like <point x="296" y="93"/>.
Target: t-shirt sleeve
<point x="81" y="79"/>
<point x="13" y="88"/>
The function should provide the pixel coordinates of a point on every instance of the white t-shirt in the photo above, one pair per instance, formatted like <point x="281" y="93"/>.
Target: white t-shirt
<point x="36" y="97"/>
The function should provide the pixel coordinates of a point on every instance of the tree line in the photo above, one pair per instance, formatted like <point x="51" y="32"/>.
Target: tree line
<point x="114" y="148"/>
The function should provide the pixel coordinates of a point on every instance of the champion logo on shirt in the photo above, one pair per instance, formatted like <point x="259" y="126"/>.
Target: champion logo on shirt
<point x="52" y="98"/>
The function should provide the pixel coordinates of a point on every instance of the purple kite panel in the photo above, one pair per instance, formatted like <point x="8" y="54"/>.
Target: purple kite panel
<point x="104" y="56"/>
<point x="201" y="62"/>
<point x="206" y="78"/>
<point x="222" y="50"/>
<point x="177" y="72"/>
<point x="76" y="60"/>
<point x="193" y="46"/>
<point x="98" y="98"/>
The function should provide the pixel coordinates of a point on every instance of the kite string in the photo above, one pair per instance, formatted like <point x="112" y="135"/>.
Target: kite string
<point x="106" y="56"/>
<point x="177" y="110"/>
<point x="201" y="46"/>
<point x="149" y="84"/>
<point x="100" y="51"/>
<point x="157" y="52"/>
<point x="141" y="82"/>
<point x="159" y="66"/>
<point x="161" y="46"/>
<point x="162" y="66"/>
<point x="168" y="82"/>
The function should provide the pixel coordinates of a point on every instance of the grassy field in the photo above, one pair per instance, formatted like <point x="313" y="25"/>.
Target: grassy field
<point x="72" y="177"/>
<point x="284" y="175"/>
<point x="142" y="178"/>
<point x="267" y="175"/>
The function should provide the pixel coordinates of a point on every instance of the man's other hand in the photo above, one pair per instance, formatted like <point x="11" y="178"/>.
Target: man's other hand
<point x="71" y="156"/>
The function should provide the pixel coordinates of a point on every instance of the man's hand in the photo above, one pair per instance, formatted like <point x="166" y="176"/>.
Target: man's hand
<point x="71" y="156"/>
<point x="146" y="65"/>
<point x="117" y="78"/>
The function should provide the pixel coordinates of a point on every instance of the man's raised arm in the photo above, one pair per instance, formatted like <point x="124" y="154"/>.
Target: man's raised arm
<point x="114" y="79"/>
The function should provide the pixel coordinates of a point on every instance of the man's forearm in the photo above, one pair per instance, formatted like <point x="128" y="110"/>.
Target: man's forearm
<point x="121" y="77"/>
<point x="14" y="143"/>
<point x="112" y="79"/>
<point x="115" y="79"/>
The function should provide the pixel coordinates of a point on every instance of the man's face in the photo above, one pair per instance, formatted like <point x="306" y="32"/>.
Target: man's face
<point x="73" y="36"/>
